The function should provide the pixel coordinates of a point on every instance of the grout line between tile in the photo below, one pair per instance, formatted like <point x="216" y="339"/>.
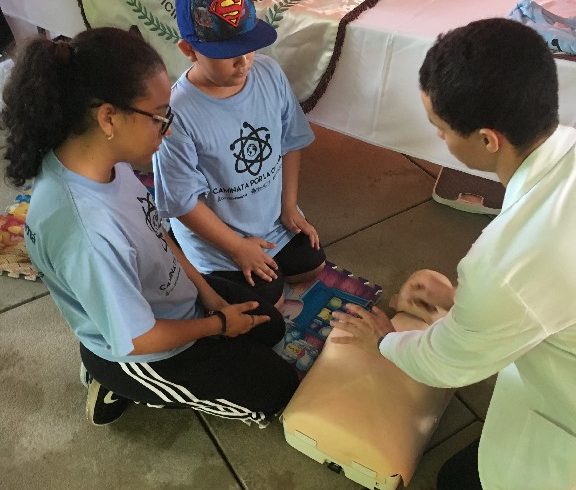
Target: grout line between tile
<point x="359" y="230"/>
<point x="470" y="408"/>
<point x="424" y="169"/>
<point x="17" y="305"/>
<point x="442" y="441"/>
<point x="220" y="450"/>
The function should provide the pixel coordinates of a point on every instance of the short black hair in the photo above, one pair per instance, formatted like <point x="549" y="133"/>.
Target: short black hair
<point x="493" y="73"/>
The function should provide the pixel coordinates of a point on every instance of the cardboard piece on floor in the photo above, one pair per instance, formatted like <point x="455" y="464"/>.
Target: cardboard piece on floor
<point x="468" y="192"/>
<point x="364" y="415"/>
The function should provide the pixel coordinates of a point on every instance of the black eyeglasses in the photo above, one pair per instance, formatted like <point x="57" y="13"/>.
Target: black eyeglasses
<point x="166" y="120"/>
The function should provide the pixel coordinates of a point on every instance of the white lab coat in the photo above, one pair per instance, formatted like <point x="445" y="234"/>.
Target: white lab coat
<point x="515" y="313"/>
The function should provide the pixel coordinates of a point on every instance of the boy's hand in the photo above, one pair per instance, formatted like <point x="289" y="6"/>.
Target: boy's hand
<point x="364" y="327"/>
<point x="252" y="259"/>
<point x="238" y="319"/>
<point x="296" y="223"/>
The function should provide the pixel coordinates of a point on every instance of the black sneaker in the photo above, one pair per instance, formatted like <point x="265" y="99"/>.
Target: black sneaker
<point x="103" y="406"/>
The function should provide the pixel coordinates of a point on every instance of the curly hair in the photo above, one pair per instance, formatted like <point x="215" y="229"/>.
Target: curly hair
<point x="493" y="73"/>
<point x="53" y="86"/>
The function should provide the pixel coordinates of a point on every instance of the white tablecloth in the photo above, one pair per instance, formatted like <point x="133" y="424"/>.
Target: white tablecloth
<point x="373" y="95"/>
<point x="59" y="16"/>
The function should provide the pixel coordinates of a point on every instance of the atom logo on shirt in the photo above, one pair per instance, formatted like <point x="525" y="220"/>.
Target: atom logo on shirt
<point x="252" y="149"/>
<point x="152" y="218"/>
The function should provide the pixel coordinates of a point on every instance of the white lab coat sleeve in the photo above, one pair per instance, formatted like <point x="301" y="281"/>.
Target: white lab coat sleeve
<point x="487" y="328"/>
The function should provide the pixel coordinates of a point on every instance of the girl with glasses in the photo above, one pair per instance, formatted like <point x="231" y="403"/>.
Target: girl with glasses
<point x="151" y="328"/>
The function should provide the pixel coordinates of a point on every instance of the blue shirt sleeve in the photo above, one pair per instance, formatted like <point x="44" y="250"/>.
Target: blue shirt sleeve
<point x="178" y="181"/>
<point x="296" y="131"/>
<point x="103" y="279"/>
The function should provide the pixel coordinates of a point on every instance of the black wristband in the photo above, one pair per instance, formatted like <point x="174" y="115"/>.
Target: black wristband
<point x="222" y="317"/>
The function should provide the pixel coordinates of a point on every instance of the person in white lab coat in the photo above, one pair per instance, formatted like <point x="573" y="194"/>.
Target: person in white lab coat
<point x="491" y="90"/>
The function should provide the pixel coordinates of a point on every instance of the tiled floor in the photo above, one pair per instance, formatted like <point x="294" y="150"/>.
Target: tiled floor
<point x="375" y="216"/>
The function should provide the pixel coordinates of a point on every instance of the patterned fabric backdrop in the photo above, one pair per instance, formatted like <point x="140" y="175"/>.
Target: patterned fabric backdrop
<point x="310" y="34"/>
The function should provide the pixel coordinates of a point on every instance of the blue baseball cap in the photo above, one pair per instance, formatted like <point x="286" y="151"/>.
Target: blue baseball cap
<point x="222" y="28"/>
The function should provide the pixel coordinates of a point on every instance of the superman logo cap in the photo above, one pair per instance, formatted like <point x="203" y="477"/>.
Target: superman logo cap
<point x="222" y="28"/>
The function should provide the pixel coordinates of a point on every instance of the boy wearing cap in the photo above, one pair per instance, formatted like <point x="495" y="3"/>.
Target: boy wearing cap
<point x="228" y="174"/>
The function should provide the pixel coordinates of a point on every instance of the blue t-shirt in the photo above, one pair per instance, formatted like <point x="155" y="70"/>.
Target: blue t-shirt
<point x="104" y="260"/>
<point x="229" y="152"/>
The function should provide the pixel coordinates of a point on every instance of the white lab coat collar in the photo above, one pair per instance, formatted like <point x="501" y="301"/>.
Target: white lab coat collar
<point x="538" y="164"/>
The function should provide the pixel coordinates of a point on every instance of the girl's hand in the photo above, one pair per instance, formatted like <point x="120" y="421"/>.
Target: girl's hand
<point x="238" y="319"/>
<point x="216" y="302"/>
